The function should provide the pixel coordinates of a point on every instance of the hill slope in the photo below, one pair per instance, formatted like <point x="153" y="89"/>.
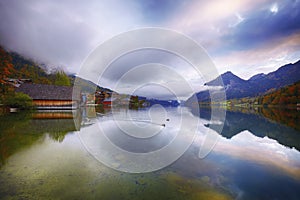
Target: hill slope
<point x="259" y="84"/>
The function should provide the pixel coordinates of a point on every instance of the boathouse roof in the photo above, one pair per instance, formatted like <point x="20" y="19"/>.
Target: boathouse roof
<point x="49" y="92"/>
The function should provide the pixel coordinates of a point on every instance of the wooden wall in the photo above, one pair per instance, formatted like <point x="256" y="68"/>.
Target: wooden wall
<point x="54" y="103"/>
<point x="52" y="115"/>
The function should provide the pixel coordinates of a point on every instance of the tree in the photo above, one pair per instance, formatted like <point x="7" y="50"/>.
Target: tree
<point x="19" y="100"/>
<point x="6" y="69"/>
<point x="62" y="79"/>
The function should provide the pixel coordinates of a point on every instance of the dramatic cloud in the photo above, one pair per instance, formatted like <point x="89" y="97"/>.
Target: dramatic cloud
<point x="263" y="25"/>
<point x="245" y="37"/>
<point x="231" y="31"/>
<point x="63" y="32"/>
<point x="265" y="58"/>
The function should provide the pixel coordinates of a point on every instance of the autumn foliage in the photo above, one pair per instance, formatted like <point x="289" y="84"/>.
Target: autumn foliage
<point x="289" y="95"/>
<point x="14" y="69"/>
<point x="13" y="65"/>
<point x="6" y="66"/>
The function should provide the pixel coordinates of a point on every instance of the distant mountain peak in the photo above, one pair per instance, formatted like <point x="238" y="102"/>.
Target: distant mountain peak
<point x="227" y="78"/>
<point x="235" y="87"/>
<point x="257" y="76"/>
<point x="228" y="73"/>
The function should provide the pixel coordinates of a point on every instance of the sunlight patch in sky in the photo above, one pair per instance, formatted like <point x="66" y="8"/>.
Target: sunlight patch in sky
<point x="274" y="8"/>
<point x="245" y="37"/>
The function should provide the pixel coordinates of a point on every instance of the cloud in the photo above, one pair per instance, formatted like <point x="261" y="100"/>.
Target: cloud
<point x="263" y="25"/>
<point x="152" y="73"/>
<point x="207" y="21"/>
<point x="264" y="59"/>
<point x="223" y="26"/>
<point x="246" y="37"/>
<point x="63" y="33"/>
<point x="157" y="12"/>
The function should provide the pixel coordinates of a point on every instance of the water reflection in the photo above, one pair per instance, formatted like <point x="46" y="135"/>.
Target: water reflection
<point x="23" y="129"/>
<point x="140" y="141"/>
<point x="20" y="130"/>
<point x="250" y="136"/>
<point x="65" y="170"/>
<point x="259" y="125"/>
<point x="254" y="158"/>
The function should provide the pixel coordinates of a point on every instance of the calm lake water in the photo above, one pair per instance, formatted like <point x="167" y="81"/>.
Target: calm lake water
<point x="55" y="156"/>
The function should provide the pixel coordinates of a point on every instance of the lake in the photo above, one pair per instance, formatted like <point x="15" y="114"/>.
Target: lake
<point x="65" y="155"/>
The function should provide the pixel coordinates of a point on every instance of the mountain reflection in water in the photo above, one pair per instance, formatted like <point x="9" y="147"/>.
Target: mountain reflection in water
<point x="260" y="126"/>
<point x="254" y="158"/>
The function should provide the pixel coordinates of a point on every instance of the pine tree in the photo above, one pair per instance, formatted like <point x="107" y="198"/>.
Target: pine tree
<point x="62" y="79"/>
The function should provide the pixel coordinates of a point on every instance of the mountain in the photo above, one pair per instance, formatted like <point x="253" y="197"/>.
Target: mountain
<point x="228" y="79"/>
<point x="259" y="84"/>
<point x="257" y="77"/>
<point x="260" y="124"/>
<point x="285" y="96"/>
<point x="86" y="85"/>
<point x="167" y="103"/>
<point x="232" y="83"/>
<point x="16" y="66"/>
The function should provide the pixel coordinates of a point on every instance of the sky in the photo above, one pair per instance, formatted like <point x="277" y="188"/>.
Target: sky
<point x="246" y="37"/>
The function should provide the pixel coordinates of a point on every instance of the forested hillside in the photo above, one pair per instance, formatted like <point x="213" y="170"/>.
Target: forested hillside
<point x="15" y="66"/>
<point x="258" y="85"/>
<point x="289" y="95"/>
<point x="285" y="96"/>
<point x="15" y="70"/>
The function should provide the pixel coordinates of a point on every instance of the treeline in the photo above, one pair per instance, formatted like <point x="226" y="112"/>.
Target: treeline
<point x="282" y="115"/>
<point x="14" y="69"/>
<point x="14" y="66"/>
<point x="289" y="95"/>
<point x="286" y="96"/>
<point x="289" y="117"/>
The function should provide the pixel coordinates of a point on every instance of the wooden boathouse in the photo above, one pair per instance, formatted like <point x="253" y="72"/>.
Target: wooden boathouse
<point x="52" y="96"/>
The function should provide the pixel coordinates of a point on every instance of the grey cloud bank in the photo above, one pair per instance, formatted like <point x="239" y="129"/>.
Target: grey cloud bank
<point x="246" y="37"/>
